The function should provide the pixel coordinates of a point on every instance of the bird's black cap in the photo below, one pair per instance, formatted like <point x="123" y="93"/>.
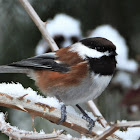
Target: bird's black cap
<point x="99" y="44"/>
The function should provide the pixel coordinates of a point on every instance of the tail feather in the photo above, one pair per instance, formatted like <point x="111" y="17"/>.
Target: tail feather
<point x="11" y="69"/>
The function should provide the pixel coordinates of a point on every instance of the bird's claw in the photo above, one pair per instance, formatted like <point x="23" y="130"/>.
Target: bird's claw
<point x="90" y="121"/>
<point x="63" y="114"/>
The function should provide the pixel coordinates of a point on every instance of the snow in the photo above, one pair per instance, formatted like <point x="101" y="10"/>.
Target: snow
<point x="4" y="125"/>
<point x="134" y="108"/>
<point x="85" y="138"/>
<point x="123" y="78"/>
<point x="64" y="24"/>
<point x="17" y="90"/>
<point x="61" y="24"/>
<point x="2" y="118"/>
<point x="41" y="47"/>
<point x="130" y="134"/>
<point x="108" y="32"/>
<point x="69" y="136"/>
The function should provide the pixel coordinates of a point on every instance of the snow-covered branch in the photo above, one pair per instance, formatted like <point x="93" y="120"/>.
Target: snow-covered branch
<point x="27" y="100"/>
<point x="116" y="126"/>
<point x="95" y="111"/>
<point x="15" y="133"/>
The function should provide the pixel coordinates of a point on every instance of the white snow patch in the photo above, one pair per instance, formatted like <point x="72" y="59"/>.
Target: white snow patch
<point x="41" y="47"/>
<point x="69" y="136"/>
<point x="17" y="90"/>
<point x="108" y="32"/>
<point x="123" y="78"/>
<point x="64" y="24"/>
<point x="134" y="108"/>
<point x="2" y="118"/>
<point x="131" y="133"/>
<point x="85" y="138"/>
<point x="4" y="124"/>
<point x="42" y="132"/>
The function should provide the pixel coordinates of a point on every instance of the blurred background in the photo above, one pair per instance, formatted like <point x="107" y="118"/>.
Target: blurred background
<point x="68" y="22"/>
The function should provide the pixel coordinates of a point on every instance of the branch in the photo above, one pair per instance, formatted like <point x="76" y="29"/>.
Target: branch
<point x="39" y="23"/>
<point x="117" y="126"/>
<point x="95" y="111"/>
<point x="45" y="111"/>
<point x="28" y="101"/>
<point x="15" y="133"/>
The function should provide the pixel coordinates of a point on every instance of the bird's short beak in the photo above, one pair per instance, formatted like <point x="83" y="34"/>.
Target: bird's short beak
<point x="113" y="53"/>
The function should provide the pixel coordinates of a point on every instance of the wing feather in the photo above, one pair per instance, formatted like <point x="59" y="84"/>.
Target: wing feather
<point x="46" y="61"/>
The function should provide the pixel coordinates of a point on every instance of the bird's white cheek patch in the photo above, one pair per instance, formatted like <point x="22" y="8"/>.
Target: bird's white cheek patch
<point x="84" y="51"/>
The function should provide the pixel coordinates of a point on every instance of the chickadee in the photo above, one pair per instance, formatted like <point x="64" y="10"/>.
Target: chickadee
<point x="74" y="74"/>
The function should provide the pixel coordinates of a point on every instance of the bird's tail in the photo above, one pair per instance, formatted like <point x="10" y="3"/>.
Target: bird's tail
<point x="12" y="69"/>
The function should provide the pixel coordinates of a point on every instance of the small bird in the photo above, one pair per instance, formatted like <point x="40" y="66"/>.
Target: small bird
<point x="74" y="74"/>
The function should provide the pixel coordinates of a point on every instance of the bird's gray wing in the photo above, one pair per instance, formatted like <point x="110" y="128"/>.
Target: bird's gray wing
<point x="47" y="61"/>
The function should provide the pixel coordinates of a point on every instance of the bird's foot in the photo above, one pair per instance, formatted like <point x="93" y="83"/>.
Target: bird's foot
<point x="63" y="114"/>
<point x="89" y="120"/>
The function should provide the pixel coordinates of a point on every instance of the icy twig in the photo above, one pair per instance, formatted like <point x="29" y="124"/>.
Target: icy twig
<point x="45" y="111"/>
<point x="117" y="126"/>
<point x="53" y="114"/>
<point x="17" y="134"/>
<point x="97" y="113"/>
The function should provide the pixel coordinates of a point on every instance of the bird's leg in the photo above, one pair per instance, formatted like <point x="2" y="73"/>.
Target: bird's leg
<point x="87" y="118"/>
<point x="63" y="112"/>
